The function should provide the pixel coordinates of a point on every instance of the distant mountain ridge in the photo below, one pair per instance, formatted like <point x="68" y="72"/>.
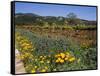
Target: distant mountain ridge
<point x="31" y="18"/>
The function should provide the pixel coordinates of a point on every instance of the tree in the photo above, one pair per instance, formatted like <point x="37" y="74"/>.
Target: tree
<point x="72" y="19"/>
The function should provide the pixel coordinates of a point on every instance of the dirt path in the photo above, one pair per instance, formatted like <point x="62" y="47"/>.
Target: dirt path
<point x="19" y="66"/>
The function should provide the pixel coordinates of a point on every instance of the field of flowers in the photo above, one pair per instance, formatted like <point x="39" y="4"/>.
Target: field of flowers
<point x="50" y="54"/>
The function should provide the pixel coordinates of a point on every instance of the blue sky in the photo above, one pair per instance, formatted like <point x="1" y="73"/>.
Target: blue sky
<point x="82" y="12"/>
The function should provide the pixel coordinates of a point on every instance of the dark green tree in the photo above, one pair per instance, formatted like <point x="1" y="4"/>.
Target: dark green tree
<point x="72" y="19"/>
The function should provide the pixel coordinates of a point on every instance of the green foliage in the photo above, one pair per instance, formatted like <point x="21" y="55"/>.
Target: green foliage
<point x="85" y="58"/>
<point x="84" y="27"/>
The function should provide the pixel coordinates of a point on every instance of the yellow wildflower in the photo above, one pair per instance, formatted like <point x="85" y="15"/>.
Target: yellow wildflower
<point x="22" y="57"/>
<point x="57" y="61"/>
<point x="43" y="70"/>
<point x="23" y="44"/>
<point x="25" y="48"/>
<point x="58" y="55"/>
<point x="61" y="61"/>
<point x="46" y="67"/>
<point x="62" y="55"/>
<point x="48" y="61"/>
<point x="35" y="67"/>
<point x="27" y="44"/>
<point x="72" y="59"/>
<point x="33" y="71"/>
<point x="66" y="58"/>
<point x="27" y="54"/>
